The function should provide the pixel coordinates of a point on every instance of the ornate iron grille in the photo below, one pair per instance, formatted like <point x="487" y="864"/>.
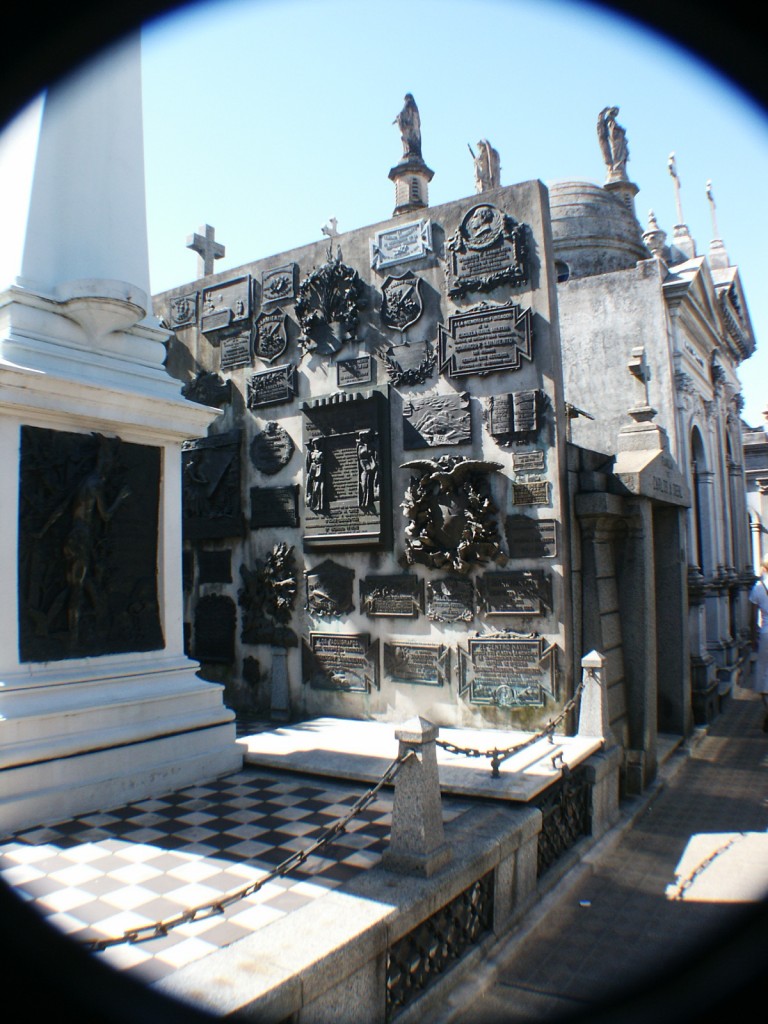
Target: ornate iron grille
<point x="567" y="812"/>
<point x="421" y="956"/>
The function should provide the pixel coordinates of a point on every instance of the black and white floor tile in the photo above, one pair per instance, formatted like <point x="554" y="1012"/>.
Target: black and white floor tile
<point x="101" y="874"/>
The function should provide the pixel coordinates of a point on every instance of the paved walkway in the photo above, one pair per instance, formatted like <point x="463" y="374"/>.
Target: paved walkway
<point x="686" y="868"/>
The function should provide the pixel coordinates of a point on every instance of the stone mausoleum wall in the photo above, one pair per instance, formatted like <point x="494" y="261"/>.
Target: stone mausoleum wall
<point x="374" y="526"/>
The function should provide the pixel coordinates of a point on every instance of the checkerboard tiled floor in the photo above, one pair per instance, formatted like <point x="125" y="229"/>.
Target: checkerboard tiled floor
<point x="101" y="874"/>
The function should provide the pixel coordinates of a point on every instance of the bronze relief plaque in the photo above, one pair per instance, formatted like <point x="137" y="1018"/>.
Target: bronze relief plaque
<point x="271" y="449"/>
<point x="488" y="249"/>
<point x="451" y="599"/>
<point x="392" y="596"/>
<point x="517" y="592"/>
<point x="431" y="420"/>
<point x="344" y="662"/>
<point x="487" y="338"/>
<point x="507" y="671"/>
<point x="329" y="589"/>
<point x="421" y="664"/>
<point x="531" y="538"/>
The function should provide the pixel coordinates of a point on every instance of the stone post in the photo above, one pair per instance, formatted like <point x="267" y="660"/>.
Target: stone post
<point x="417" y="844"/>
<point x="603" y="767"/>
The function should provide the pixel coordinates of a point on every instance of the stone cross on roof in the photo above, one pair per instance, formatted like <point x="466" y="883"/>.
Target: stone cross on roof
<point x="206" y="248"/>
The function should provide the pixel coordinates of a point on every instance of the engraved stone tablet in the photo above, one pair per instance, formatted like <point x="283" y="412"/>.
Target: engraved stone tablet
<point x="532" y="492"/>
<point x="531" y="538"/>
<point x="279" y="285"/>
<point x="272" y="387"/>
<point x="329" y="589"/>
<point x="215" y="616"/>
<point x="488" y="249"/>
<point x="274" y="506"/>
<point x="520" y="592"/>
<point x="358" y="371"/>
<point x="451" y="599"/>
<point x="411" y="364"/>
<point x="226" y="303"/>
<point x="507" y="672"/>
<point x="235" y="352"/>
<point x="346" y="662"/>
<point x="431" y="420"/>
<point x="486" y="339"/>
<point x="211" y="487"/>
<point x="402" y="243"/>
<point x="401" y="302"/>
<point x="271" y="449"/>
<point x="347" y="471"/>
<point x="423" y="664"/>
<point x="393" y="596"/>
<point x="270" y="337"/>
<point x="214" y="566"/>
<point x="184" y="310"/>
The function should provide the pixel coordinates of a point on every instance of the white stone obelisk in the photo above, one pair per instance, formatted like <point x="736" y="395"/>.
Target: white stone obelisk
<point x="80" y="353"/>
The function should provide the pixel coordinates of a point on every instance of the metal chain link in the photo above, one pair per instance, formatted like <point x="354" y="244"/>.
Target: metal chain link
<point x="498" y="757"/>
<point x="295" y="860"/>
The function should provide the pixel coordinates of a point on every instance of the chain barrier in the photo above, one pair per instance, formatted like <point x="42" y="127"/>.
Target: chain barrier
<point x="678" y="891"/>
<point x="153" y="931"/>
<point x="498" y="757"/>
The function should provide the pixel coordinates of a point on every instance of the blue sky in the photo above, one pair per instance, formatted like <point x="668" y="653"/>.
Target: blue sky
<point x="264" y="118"/>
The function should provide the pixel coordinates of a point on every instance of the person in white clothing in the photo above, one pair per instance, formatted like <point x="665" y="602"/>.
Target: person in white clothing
<point x="758" y="597"/>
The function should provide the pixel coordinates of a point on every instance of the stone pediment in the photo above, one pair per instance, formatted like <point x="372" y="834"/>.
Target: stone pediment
<point x="652" y="474"/>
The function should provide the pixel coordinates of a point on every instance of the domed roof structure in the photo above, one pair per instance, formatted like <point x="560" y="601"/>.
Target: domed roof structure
<point x="594" y="230"/>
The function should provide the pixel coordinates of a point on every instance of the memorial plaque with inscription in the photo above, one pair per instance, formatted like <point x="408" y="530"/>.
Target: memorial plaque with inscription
<point x="488" y="249"/>
<point x="211" y="487"/>
<point x="519" y="592"/>
<point x="235" y="352"/>
<point x="329" y="589"/>
<point x="215" y="616"/>
<point x="422" y="664"/>
<point x="279" y="285"/>
<point x="531" y="492"/>
<point x="515" y="417"/>
<point x="405" y="242"/>
<point x="274" y="507"/>
<point x="488" y="338"/>
<point x="226" y="304"/>
<point x="431" y="420"/>
<point x="531" y="538"/>
<point x="214" y="566"/>
<point x="272" y="387"/>
<point x="451" y="599"/>
<point x="392" y="596"/>
<point x="343" y="662"/>
<point x="271" y="449"/>
<point x="354" y="372"/>
<point x="347" y="471"/>
<point x="532" y="461"/>
<point x="507" y="671"/>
